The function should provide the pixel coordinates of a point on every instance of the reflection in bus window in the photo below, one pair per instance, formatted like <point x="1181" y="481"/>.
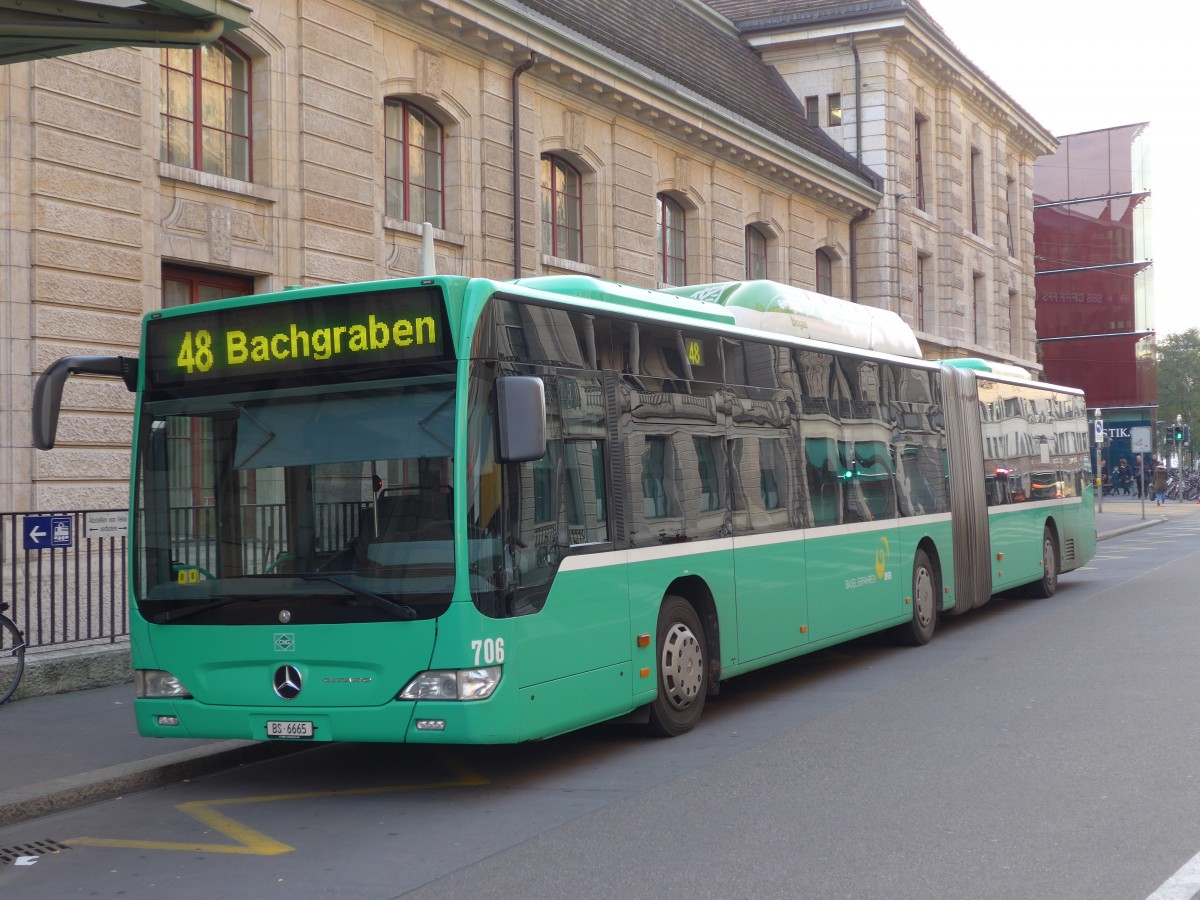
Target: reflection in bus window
<point x="772" y="469"/>
<point x="654" y="478"/>
<point x="586" y="495"/>
<point x="824" y="480"/>
<point x="707" y="450"/>
<point x="873" y="479"/>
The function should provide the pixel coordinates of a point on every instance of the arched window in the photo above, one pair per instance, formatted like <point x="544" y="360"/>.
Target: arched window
<point x="413" y="164"/>
<point x="562" y="209"/>
<point x="824" y="272"/>
<point x="672" y="241"/>
<point x="205" y="109"/>
<point x="756" y="253"/>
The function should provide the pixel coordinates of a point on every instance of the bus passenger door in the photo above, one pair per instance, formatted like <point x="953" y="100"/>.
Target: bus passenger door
<point x="854" y="572"/>
<point x="769" y="551"/>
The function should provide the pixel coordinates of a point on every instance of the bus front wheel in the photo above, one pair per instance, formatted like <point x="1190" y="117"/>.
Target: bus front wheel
<point x="682" y="666"/>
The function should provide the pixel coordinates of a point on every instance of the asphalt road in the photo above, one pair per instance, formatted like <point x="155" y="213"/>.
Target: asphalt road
<point x="1035" y="749"/>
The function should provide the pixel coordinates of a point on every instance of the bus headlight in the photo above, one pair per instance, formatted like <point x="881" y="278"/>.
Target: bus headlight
<point x="157" y="684"/>
<point x="452" y="684"/>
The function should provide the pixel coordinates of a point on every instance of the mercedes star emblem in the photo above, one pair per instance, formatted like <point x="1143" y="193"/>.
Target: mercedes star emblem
<point x="287" y="682"/>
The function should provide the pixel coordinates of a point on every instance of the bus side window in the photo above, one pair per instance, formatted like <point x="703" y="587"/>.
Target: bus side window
<point x="586" y="491"/>
<point x="824" y="483"/>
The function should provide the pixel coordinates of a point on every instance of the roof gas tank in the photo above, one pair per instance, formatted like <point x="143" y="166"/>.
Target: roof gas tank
<point x="783" y="309"/>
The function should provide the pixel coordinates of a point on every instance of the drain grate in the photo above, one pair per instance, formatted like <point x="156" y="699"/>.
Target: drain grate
<point x="36" y="848"/>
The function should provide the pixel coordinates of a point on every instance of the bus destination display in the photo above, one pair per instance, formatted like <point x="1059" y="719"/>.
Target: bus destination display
<point x="301" y="336"/>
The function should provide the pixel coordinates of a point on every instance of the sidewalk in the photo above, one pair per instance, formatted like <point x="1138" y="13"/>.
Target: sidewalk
<point x="1122" y="514"/>
<point x="68" y="750"/>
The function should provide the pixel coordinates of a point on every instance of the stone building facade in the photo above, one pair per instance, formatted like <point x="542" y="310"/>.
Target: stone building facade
<point x="105" y="216"/>
<point x="950" y="246"/>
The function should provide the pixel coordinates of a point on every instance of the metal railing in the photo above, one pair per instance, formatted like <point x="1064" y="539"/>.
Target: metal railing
<point x="64" y="595"/>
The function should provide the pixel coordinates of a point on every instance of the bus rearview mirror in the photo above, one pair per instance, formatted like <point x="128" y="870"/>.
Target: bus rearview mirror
<point x="521" y="411"/>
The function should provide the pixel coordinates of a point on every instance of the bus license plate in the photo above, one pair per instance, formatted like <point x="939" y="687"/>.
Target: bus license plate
<point x="289" y="729"/>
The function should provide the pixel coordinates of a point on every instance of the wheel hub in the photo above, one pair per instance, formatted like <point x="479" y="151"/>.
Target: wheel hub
<point x="682" y="666"/>
<point x="923" y="597"/>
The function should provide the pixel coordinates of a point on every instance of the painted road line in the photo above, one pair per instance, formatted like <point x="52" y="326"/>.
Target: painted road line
<point x="1183" y="885"/>
<point x="249" y="842"/>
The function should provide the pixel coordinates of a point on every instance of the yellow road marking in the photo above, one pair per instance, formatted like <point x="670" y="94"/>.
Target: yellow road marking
<point x="249" y="842"/>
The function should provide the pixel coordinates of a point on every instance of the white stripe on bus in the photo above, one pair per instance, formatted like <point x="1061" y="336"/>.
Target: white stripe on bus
<point x="582" y="561"/>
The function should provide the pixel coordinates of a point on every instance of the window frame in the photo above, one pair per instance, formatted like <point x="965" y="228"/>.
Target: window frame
<point x="671" y="265"/>
<point x="406" y="109"/>
<point x="976" y="177"/>
<point x="758" y="266"/>
<point x="824" y="271"/>
<point x="1009" y="213"/>
<point x="553" y="229"/>
<point x="835" y="109"/>
<point x="193" y="116"/>
<point x="226" y="284"/>
<point x="920" y="124"/>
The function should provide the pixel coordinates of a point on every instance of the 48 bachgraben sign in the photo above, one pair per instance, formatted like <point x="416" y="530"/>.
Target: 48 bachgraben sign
<point x="301" y="336"/>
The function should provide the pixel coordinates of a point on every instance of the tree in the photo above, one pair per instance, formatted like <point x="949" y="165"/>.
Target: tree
<point x="1179" y="379"/>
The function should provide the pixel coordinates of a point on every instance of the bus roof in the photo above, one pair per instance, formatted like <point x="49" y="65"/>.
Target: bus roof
<point x="584" y="287"/>
<point x="783" y="309"/>
<point x="765" y="306"/>
<point x="991" y="368"/>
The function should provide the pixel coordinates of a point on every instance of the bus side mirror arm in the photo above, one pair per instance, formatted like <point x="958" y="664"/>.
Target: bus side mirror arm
<point x="47" y="393"/>
<point x="521" y="417"/>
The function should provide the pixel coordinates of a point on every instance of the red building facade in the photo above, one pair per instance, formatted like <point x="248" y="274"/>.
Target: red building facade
<point x="1094" y="281"/>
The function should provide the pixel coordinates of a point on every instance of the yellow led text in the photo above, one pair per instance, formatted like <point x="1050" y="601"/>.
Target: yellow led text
<point x="319" y="344"/>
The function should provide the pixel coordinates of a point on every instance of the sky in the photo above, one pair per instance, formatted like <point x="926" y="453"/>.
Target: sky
<point x="1083" y="65"/>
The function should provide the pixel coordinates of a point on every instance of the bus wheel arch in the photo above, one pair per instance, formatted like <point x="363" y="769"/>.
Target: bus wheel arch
<point x="695" y="591"/>
<point x="683" y="654"/>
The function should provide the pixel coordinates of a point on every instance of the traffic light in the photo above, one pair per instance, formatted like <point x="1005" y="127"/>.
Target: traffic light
<point x="1178" y="434"/>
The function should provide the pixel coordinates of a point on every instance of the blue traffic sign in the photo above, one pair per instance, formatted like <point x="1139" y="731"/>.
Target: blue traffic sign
<point x="46" y="532"/>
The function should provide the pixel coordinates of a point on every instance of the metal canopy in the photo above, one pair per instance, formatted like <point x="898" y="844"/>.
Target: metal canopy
<point x="39" y="29"/>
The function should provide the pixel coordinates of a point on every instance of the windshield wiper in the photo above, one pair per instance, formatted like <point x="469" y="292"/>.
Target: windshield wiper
<point x="401" y="609"/>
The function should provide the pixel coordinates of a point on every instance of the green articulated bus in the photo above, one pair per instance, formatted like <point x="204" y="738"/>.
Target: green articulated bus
<point x="452" y="510"/>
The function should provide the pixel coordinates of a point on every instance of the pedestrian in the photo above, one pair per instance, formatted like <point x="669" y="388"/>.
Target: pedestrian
<point x="1123" y="476"/>
<point x="1160" y="485"/>
<point x="1139" y="476"/>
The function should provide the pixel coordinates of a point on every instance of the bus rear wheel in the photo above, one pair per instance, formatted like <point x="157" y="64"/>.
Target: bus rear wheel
<point x="1048" y="583"/>
<point x="926" y="597"/>
<point x="682" y="667"/>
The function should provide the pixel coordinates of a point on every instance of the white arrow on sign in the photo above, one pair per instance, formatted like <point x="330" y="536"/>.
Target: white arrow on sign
<point x="36" y="534"/>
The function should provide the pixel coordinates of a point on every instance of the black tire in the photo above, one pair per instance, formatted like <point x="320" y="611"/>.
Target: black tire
<point x="12" y="658"/>
<point x="1048" y="584"/>
<point x="926" y="603"/>
<point x="681" y="664"/>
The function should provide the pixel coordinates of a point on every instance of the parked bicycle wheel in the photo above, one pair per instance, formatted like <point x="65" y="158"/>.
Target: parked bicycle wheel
<point x="12" y="656"/>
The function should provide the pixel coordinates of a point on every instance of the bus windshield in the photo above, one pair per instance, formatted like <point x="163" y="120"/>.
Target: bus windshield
<point x="318" y="506"/>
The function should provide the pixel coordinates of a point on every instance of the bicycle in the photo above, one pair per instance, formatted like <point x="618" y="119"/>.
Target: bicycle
<point x="12" y="644"/>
